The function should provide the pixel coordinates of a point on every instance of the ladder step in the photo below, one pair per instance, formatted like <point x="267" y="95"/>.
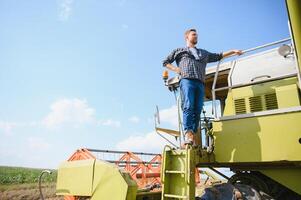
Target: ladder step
<point x="174" y="172"/>
<point x="175" y="196"/>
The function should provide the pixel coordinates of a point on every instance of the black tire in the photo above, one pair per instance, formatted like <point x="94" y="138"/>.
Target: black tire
<point x="251" y="179"/>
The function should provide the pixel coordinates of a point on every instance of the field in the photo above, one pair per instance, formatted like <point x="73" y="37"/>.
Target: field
<point x="17" y="183"/>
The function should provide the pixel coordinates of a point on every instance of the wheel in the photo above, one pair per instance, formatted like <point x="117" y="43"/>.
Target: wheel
<point x="251" y="179"/>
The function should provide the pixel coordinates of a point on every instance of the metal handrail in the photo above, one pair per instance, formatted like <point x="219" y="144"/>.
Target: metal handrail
<point x="267" y="45"/>
<point x="243" y="52"/>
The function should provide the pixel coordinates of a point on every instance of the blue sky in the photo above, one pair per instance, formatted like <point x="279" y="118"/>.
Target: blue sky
<point x="87" y="73"/>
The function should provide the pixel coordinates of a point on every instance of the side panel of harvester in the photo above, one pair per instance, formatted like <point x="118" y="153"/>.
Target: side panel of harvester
<point x="268" y="135"/>
<point x="261" y="125"/>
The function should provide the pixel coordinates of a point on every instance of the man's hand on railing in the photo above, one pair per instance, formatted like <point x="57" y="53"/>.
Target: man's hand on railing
<point x="238" y="52"/>
<point x="232" y="53"/>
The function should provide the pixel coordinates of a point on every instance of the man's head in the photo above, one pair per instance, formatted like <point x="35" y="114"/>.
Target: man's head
<point x="191" y="36"/>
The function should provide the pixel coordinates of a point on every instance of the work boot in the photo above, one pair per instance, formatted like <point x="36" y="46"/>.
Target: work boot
<point x="188" y="139"/>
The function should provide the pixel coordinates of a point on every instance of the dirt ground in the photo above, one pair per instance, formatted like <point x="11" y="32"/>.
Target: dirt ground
<point x="28" y="192"/>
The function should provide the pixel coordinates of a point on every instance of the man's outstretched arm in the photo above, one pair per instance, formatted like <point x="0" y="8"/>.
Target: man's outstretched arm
<point x="232" y="53"/>
<point x="214" y="57"/>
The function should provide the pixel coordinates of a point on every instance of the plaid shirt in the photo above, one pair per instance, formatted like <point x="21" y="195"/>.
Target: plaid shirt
<point x="191" y="67"/>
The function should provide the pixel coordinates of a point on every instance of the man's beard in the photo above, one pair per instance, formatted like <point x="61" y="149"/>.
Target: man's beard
<point x="194" y="42"/>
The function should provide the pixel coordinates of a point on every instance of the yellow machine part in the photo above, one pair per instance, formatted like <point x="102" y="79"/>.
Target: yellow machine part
<point x="95" y="179"/>
<point x="257" y="140"/>
<point x="75" y="178"/>
<point x="288" y="177"/>
<point x="263" y="96"/>
<point x="269" y="138"/>
<point x="294" y="13"/>
<point x="178" y="174"/>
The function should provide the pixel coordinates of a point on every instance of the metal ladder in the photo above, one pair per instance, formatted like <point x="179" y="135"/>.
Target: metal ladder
<point x="178" y="174"/>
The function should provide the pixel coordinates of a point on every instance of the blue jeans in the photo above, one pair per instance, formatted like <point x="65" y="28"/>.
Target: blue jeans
<point x="192" y="95"/>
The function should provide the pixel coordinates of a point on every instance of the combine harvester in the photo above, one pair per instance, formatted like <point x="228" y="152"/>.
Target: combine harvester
<point x="256" y="133"/>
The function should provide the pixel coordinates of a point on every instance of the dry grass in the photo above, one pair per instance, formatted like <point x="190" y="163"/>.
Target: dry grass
<point x="19" y="183"/>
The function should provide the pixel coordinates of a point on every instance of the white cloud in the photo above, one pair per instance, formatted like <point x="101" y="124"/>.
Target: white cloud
<point x="7" y="127"/>
<point x="109" y="122"/>
<point x="37" y="144"/>
<point x="134" y="119"/>
<point x="65" y="9"/>
<point x="71" y="111"/>
<point x="150" y="142"/>
<point x="170" y="115"/>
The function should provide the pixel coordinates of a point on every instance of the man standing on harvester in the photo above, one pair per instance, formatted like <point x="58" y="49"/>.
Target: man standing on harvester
<point x="191" y="63"/>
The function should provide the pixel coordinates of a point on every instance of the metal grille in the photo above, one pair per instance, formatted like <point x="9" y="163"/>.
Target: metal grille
<point x="255" y="104"/>
<point x="271" y="101"/>
<point x="240" y="106"/>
